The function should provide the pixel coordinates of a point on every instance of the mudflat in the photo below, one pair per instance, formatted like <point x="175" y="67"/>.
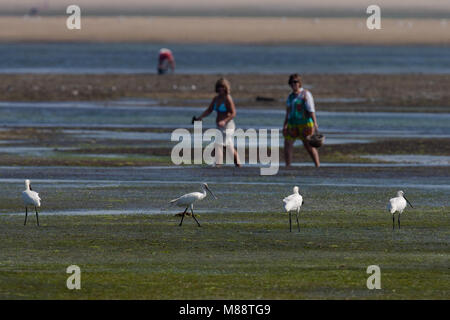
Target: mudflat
<point x="333" y="92"/>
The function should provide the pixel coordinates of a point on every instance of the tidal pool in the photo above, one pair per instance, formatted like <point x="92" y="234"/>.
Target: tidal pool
<point x="122" y="114"/>
<point x="412" y="159"/>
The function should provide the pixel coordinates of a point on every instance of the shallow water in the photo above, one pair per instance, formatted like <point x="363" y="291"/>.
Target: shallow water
<point x="339" y="125"/>
<point x="153" y="197"/>
<point x="103" y="58"/>
<point x="147" y="190"/>
<point x="350" y="182"/>
<point x="413" y="159"/>
<point x="33" y="151"/>
<point x="93" y="212"/>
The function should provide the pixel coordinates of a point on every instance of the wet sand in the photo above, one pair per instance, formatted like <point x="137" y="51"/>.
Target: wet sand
<point x="344" y="92"/>
<point x="228" y="30"/>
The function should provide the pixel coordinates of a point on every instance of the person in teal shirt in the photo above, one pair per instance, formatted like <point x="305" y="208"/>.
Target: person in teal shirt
<point x="300" y="121"/>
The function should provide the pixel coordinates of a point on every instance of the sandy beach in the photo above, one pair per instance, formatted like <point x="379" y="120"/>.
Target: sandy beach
<point x="254" y="30"/>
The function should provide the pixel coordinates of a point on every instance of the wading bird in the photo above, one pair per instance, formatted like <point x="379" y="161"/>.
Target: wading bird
<point x="293" y="203"/>
<point x="189" y="199"/>
<point x="30" y="198"/>
<point x="397" y="204"/>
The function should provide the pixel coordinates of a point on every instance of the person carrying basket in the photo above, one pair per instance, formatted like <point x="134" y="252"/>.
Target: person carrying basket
<point x="300" y="121"/>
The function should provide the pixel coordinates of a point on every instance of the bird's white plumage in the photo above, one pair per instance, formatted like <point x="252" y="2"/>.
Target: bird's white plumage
<point x="187" y="201"/>
<point x="30" y="197"/>
<point x="397" y="204"/>
<point x="293" y="202"/>
<point x="190" y="198"/>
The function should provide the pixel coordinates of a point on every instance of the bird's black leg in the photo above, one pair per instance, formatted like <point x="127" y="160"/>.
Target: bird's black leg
<point x="298" y="224"/>
<point x="182" y="216"/>
<point x="393" y="221"/>
<point x="192" y="211"/>
<point x="290" y="223"/>
<point x="26" y="215"/>
<point x="37" y="216"/>
<point x="399" y="220"/>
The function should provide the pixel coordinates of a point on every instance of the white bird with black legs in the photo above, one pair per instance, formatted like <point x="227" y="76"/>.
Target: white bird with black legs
<point x="30" y="198"/>
<point x="293" y="203"/>
<point x="189" y="199"/>
<point x="398" y="204"/>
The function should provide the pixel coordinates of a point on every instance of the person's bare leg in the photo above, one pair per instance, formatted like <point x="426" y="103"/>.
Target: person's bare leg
<point x="236" y="160"/>
<point x="288" y="146"/>
<point x="219" y="155"/>
<point x="224" y="154"/>
<point x="312" y="152"/>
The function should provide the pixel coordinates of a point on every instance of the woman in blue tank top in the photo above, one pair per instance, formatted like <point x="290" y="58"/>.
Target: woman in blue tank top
<point x="223" y="104"/>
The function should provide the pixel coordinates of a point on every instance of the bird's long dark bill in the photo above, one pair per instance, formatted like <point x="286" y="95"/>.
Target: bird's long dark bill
<point x="211" y="193"/>
<point x="408" y="202"/>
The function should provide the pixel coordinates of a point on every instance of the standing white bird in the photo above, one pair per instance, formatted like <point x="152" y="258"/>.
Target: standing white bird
<point x="293" y="203"/>
<point x="189" y="199"/>
<point x="30" y="198"/>
<point x="398" y="204"/>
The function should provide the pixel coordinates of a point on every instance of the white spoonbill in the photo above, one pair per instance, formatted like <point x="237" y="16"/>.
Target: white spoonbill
<point x="30" y="198"/>
<point x="293" y="203"/>
<point x="189" y="199"/>
<point x="398" y="204"/>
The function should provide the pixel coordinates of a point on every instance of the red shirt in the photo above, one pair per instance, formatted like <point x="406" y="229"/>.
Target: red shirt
<point x="165" y="55"/>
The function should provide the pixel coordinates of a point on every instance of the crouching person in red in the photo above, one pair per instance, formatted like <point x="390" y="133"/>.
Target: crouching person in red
<point x="166" y="61"/>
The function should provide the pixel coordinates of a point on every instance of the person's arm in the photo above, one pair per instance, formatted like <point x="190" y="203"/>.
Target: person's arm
<point x="285" y="122"/>
<point x="316" y="125"/>
<point x="207" y="112"/>
<point x="231" y="111"/>
<point x="172" y="64"/>
<point x="310" y="106"/>
<point x="286" y="118"/>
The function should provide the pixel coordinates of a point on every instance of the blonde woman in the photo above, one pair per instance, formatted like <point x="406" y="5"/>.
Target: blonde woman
<point x="223" y="104"/>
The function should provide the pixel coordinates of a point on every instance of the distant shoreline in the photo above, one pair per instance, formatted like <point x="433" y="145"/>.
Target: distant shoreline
<point x="238" y="30"/>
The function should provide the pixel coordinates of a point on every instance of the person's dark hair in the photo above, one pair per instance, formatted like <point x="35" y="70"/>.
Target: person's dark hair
<point x="295" y="77"/>
<point x="222" y="82"/>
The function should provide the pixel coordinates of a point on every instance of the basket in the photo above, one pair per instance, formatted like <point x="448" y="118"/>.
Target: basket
<point x="316" y="140"/>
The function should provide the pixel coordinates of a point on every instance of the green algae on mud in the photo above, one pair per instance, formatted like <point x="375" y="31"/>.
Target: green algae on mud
<point x="235" y="255"/>
<point x="84" y="161"/>
<point x="138" y="155"/>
